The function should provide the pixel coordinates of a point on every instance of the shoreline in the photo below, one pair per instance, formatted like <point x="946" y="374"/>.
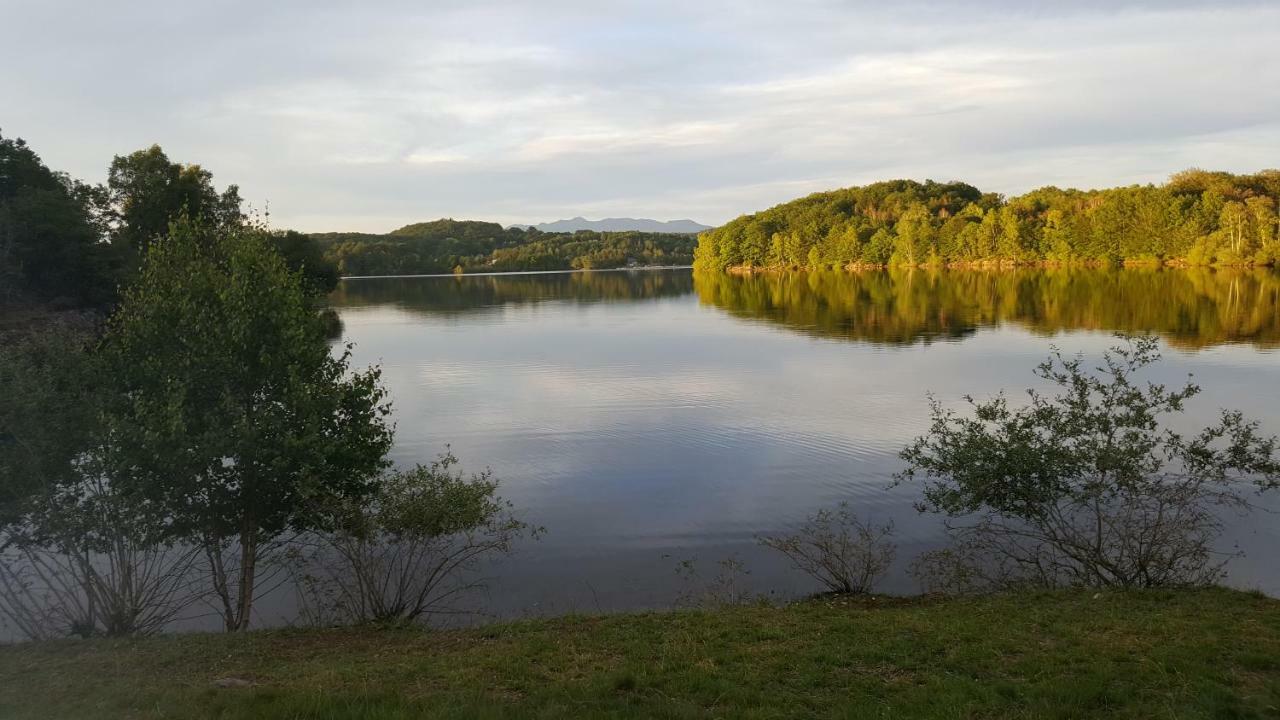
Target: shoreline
<point x="989" y="265"/>
<point x="518" y="272"/>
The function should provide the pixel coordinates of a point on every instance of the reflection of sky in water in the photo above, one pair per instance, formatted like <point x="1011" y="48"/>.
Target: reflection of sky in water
<point x="644" y="432"/>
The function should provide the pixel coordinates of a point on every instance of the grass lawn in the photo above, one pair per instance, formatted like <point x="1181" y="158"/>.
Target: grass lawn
<point x="1176" y="654"/>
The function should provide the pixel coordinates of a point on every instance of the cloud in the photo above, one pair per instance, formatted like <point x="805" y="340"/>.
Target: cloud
<point x="432" y="157"/>
<point x="365" y="117"/>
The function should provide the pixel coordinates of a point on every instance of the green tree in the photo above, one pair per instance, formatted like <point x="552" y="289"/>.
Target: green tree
<point x="303" y="254"/>
<point x="1011" y="241"/>
<point x="77" y="554"/>
<point x="233" y="415"/>
<point x="915" y="236"/>
<point x="47" y="417"/>
<point x="49" y="245"/>
<point x="1234" y="225"/>
<point x="1262" y="210"/>
<point x="879" y="248"/>
<point x="147" y="191"/>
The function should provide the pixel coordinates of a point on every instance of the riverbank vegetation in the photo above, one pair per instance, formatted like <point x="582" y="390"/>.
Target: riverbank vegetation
<point x="444" y="246"/>
<point x="195" y="440"/>
<point x="158" y="461"/>
<point x="1087" y="484"/>
<point x="167" y="439"/>
<point x="1198" y="217"/>
<point x="1208" y="653"/>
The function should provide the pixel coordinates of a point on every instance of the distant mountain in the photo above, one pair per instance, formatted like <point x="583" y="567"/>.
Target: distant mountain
<point x="621" y="224"/>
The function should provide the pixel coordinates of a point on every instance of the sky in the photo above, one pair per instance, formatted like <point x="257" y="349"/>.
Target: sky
<point x="365" y="116"/>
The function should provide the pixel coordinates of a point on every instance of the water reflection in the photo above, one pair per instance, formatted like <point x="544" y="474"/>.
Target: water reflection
<point x="480" y="293"/>
<point x="1192" y="308"/>
<point x="649" y="417"/>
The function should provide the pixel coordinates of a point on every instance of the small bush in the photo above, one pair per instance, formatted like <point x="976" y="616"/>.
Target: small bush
<point x="838" y="550"/>
<point x="411" y="552"/>
<point x="725" y="588"/>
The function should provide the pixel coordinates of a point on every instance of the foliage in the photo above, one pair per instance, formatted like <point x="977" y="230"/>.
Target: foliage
<point x="409" y="552"/>
<point x="89" y="565"/>
<point x="302" y="254"/>
<point x="64" y="240"/>
<point x="233" y="416"/>
<point x="838" y="549"/>
<point x="76" y="554"/>
<point x="49" y="245"/>
<point x="1195" y="655"/>
<point x="1089" y="487"/>
<point x="1198" y="217"/>
<point x="47" y="418"/>
<point x="147" y="191"/>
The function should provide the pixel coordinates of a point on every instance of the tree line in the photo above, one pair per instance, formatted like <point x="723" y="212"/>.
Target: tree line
<point x="447" y="245"/>
<point x="74" y="244"/>
<point x="1198" y="217"/>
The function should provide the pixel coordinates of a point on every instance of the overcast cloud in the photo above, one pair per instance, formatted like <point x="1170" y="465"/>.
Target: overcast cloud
<point x="367" y="116"/>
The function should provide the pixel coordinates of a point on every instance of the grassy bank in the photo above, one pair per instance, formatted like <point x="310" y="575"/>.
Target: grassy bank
<point x="1193" y="654"/>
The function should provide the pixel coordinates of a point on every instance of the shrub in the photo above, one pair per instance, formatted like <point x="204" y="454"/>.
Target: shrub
<point x="726" y="587"/>
<point x="410" y="552"/>
<point x="1087" y="487"/>
<point x="838" y="550"/>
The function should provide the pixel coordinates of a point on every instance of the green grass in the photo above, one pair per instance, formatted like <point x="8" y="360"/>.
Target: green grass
<point x="1189" y="654"/>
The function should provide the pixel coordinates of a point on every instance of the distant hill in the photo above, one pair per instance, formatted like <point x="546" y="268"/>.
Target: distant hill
<point x="621" y="225"/>
<point x="448" y="245"/>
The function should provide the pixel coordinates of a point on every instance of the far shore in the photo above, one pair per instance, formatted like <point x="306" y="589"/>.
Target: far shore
<point x="520" y="272"/>
<point x="990" y="265"/>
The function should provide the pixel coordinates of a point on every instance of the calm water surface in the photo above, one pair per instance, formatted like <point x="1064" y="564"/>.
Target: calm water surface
<point x="650" y="417"/>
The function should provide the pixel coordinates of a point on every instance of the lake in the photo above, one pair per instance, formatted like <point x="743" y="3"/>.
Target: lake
<point x="651" y="417"/>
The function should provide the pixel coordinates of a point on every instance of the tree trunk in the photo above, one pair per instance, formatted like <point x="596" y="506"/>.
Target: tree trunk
<point x="248" y="577"/>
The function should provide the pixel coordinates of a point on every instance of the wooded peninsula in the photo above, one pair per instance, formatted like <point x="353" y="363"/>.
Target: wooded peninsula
<point x="1198" y="217"/>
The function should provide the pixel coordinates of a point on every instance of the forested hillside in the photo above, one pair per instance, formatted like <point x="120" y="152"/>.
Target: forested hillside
<point x="448" y="245"/>
<point x="1198" y="217"/>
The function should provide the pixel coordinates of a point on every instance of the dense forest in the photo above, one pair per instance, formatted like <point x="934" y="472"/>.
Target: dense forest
<point x="1197" y="218"/>
<point x="1191" y="308"/>
<point x="449" y="245"/>
<point x="67" y="244"/>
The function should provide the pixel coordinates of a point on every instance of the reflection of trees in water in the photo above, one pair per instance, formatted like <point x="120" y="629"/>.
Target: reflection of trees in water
<point x="1191" y="308"/>
<point x="468" y="293"/>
